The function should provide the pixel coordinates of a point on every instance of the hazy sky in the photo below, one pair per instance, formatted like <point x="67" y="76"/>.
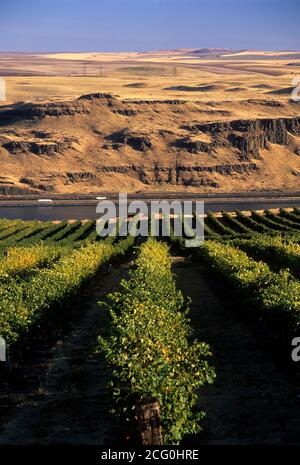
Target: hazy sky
<point x="136" y="25"/>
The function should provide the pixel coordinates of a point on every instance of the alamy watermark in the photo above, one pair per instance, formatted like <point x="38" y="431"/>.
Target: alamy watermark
<point x="156" y="218"/>
<point x="296" y="90"/>
<point x="296" y="351"/>
<point x="2" y="89"/>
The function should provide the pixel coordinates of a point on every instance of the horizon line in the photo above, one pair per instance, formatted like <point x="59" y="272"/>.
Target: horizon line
<point x="151" y="50"/>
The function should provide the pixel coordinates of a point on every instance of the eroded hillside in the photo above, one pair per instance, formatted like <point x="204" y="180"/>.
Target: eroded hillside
<point x="101" y="143"/>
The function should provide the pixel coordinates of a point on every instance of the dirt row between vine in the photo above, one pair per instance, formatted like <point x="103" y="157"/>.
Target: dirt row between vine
<point x="254" y="399"/>
<point x="63" y="397"/>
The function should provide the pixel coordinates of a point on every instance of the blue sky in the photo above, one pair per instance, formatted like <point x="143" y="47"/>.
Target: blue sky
<point x="137" y="25"/>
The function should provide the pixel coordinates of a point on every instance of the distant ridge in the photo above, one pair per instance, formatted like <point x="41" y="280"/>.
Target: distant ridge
<point x="208" y="51"/>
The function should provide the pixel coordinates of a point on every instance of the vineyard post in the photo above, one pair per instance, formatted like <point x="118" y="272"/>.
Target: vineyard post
<point x="149" y="425"/>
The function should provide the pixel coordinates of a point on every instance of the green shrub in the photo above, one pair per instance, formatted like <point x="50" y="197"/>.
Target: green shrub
<point x="150" y="349"/>
<point x="22" y="260"/>
<point x="272" y="292"/>
<point x="283" y="252"/>
<point x="24" y="304"/>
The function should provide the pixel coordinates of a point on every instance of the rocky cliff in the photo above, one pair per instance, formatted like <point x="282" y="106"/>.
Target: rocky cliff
<point x="248" y="136"/>
<point x="99" y="142"/>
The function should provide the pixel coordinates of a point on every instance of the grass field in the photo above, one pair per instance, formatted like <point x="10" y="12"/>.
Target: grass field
<point x="171" y="74"/>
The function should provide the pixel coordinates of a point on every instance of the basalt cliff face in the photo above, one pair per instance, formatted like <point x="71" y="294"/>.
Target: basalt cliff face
<point x="100" y="143"/>
<point x="248" y="136"/>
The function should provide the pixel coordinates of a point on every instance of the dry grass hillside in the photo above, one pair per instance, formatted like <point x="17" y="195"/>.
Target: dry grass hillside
<point x="197" y="120"/>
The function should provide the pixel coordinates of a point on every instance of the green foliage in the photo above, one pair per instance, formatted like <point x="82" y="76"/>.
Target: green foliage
<point x="217" y="226"/>
<point x="22" y="260"/>
<point x="24" y="304"/>
<point x="291" y="216"/>
<point x="252" y="224"/>
<point x="273" y="292"/>
<point x="280" y="251"/>
<point x="11" y="229"/>
<point x="22" y="231"/>
<point x="68" y="234"/>
<point x="236" y="225"/>
<point x="283" y="221"/>
<point x="74" y="232"/>
<point x="30" y="235"/>
<point x="41" y="234"/>
<point x="123" y="246"/>
<point x="269" y="222"/>
<point x="150" y="349"/>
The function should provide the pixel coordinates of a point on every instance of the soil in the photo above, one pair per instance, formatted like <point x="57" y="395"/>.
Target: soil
<point x="60" y="396"/>
<point x="254" y="399"/>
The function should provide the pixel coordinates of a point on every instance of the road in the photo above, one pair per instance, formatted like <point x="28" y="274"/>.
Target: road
<point x="79" y="207"/>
